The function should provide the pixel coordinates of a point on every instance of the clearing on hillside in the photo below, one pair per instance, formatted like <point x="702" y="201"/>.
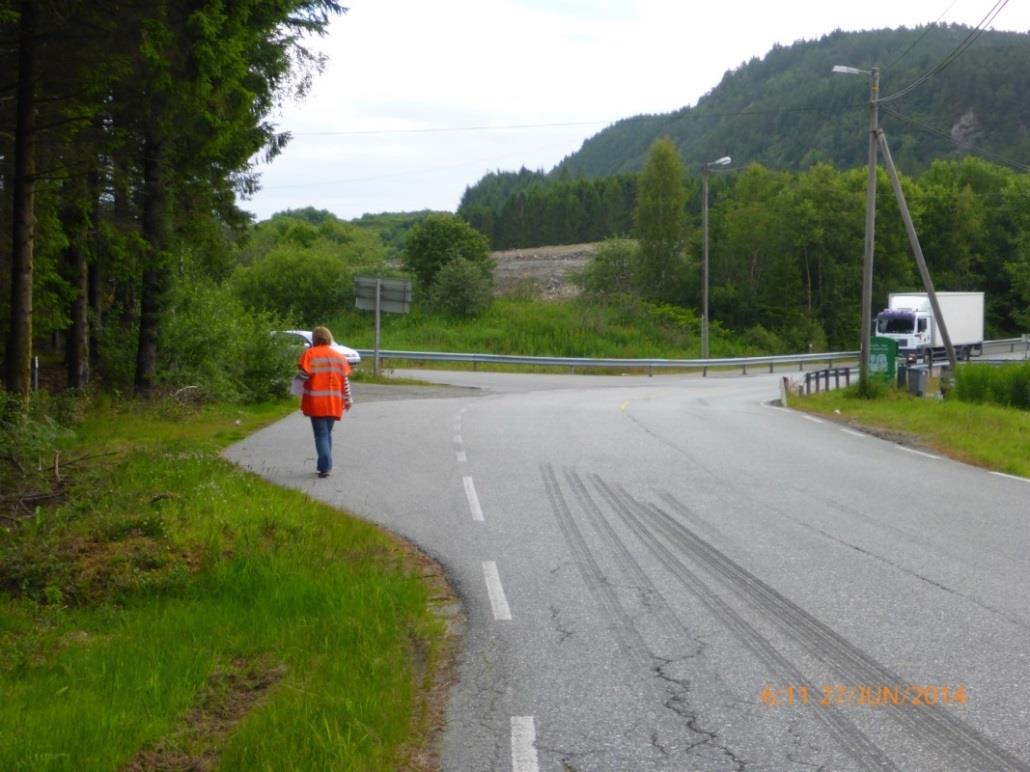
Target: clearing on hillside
<point x="547" y="270"/>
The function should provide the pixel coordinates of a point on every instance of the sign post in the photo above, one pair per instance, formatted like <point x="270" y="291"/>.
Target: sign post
<point x="392" y="296"/>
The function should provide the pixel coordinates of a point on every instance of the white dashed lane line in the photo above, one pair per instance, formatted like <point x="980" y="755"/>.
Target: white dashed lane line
<point x="473" y="499"/>
<point x="523" y="744"/>
<point x="498" y="602"/>
<point x="918" y="452"/>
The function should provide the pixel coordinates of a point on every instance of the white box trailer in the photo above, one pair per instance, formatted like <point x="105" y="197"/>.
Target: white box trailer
<point x="909" y="320"/>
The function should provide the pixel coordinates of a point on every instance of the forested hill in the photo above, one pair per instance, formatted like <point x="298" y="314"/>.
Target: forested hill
<point x="788" y="111"/>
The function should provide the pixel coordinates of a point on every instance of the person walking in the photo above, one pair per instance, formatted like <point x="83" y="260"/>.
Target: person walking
<point x="326" y="394"/>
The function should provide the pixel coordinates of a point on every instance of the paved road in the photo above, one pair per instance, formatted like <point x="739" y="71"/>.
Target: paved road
<point x="654" y="569"/>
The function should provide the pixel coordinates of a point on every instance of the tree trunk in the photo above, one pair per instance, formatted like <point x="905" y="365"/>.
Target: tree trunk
<point x="76" y="220"/>
<point x="155" y="272"/>
<point x="18" y="378"/>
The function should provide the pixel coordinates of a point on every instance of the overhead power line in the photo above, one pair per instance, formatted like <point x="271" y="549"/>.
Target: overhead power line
<point x="951" y="57"/>
<point x="520" y="126"/>
<point x="918" y="40"/>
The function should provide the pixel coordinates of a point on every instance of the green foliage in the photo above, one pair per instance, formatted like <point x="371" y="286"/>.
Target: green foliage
<point x="462" y="288"/>
<point x="354" y="246"/>
<point x="212" y="343"/>
<point x="622" y="327"/>
<point x="29" y="439"/>
<point x="1007" y="385"/>
<point x="660" y="220"/>
<point x="391" y="228"/>
<point x="610" y="272"/>
<point x="539" y="211"/>
<point x="437" y="240"/>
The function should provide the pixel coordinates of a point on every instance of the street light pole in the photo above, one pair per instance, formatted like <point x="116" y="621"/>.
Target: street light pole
<point x="705" y="169"/>
<point x="870" y="222"/>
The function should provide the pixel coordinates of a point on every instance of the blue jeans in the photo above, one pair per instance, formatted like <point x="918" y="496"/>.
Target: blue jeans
<point x="323" y="428"/>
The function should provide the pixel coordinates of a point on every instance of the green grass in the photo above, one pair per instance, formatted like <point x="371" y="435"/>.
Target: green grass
<point x="986" y="435"/>
<point x="177" y="605"/>
<point x="532" y="327"/>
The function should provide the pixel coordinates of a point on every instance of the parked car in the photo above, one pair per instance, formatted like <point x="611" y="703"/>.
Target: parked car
<point x="304" y="337"/>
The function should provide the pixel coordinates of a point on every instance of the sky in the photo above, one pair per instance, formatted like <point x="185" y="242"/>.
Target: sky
<point x="419" y="100"/>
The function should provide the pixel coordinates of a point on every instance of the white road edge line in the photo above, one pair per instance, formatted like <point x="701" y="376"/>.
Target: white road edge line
<point x="812" y="419"/>
<point x="498" y="602"/>
<point x="1012" y="476"/>
<point x="918" y="452"/>
<point x="470" y="494"/>
<point x="855" y="434"/>
<point x="523" y="745"/>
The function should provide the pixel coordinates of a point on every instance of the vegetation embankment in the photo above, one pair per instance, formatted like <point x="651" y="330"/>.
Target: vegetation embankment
<point x="970" y="425"/>
<point x="168" y="610"/>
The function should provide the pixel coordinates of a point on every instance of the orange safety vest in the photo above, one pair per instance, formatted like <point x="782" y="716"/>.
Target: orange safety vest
<point x="328" y="385"/>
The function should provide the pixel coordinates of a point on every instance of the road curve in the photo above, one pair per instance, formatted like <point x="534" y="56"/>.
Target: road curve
<point x="670" y="573"/>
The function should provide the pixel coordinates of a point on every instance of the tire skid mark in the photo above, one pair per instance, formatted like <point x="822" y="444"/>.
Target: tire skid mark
<point x="850" y="737"/>
<point x="628" y="637"/>
<point x="938" y="728"/>
<point x="657" y="604"/>
<point x="596" y="579"/>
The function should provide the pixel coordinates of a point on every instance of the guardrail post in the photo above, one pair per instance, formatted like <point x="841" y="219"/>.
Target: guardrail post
<point x="704" y="371"/>
<point x="847" y="376"/>
<point x="770" y="365"/>
<point x="801" y="366"/>
<point x="745" y="368"/>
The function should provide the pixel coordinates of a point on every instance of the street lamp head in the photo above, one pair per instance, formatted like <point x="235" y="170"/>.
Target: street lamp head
<point x="845" y="70"/>
<point x="724" y="161"/>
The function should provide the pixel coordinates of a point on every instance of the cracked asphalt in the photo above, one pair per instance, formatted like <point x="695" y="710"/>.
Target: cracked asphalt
<point x="688" y="571"/>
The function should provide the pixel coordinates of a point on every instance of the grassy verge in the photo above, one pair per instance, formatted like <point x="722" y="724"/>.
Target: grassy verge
<point x="990" y="436"/>
<point x="533" y="327"/>
<point x="175" y="612"/>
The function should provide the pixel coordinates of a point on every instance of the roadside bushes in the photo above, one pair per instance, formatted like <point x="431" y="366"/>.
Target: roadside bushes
<point x="1007" y="385"/>
<point x="212" y="342"/>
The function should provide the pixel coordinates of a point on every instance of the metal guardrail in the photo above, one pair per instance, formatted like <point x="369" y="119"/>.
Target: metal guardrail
<point x="642" y="364"/>
<point x="823" y="376"/>
<point x="616" y="364"/>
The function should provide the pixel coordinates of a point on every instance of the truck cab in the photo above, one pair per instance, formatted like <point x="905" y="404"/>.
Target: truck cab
<point x="911" y="329"/>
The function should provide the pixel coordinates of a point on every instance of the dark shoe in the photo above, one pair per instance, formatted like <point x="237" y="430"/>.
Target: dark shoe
<point x="323" y="474"/>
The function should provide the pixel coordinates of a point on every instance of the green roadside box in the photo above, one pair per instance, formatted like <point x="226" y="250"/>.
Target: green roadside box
<point x="883" y="355"/>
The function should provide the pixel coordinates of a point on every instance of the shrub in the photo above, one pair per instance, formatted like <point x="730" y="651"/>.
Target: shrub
<point x="610" y="273"/>
<point x="462" y="288"/>
<point x="211" y="341"/>
<point x="440" y="239"/>
<point x="307" y="286"/>
<point x="1007" y="385"/>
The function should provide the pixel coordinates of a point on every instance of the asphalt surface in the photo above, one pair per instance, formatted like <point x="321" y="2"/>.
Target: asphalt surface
<point x="670" y="573"/>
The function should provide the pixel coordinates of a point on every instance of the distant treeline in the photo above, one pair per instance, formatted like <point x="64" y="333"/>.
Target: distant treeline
<point x="786" y="247"/>
<point x="527" y="209"/>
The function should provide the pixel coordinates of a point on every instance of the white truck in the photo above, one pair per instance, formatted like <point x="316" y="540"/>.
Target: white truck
<point x="909" y="320"/>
